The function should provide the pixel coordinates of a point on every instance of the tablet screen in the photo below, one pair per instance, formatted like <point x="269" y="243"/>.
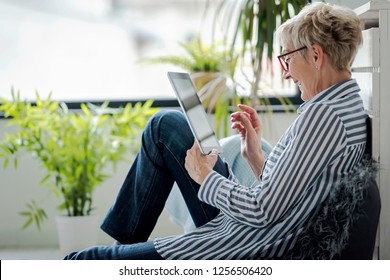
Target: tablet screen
<point x="194" y="111"/>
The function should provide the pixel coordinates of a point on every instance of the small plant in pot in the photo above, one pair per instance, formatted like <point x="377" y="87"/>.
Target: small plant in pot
<point x="74" y="148"/>
<point x="211" y="67"/>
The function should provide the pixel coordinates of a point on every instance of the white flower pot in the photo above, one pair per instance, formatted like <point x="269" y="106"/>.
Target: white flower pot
<point x="77" y="233"/>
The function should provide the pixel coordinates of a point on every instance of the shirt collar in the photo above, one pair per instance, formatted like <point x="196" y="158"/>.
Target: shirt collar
<point x="332" y="93"/>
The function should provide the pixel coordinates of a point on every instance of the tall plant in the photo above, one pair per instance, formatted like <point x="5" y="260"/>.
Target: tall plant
<point x="248" y="26"/>
<point x="72" y="147"/>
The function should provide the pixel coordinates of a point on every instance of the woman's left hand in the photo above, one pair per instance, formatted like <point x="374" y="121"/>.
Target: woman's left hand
<point x="199" y="165"/>
<point x="248" y="124"/>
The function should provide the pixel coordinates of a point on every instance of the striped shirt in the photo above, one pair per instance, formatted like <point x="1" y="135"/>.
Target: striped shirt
<point x="325" y="142"/>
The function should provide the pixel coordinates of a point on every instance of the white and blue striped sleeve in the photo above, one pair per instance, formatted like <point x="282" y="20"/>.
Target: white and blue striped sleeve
<point x="316" y="138"/>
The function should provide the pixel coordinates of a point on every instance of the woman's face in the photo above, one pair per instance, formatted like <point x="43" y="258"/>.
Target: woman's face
<point x="302" y="71"/>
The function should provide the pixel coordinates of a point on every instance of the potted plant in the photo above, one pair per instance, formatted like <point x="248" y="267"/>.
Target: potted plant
<point x="73" y="148"/>
<point x="211" y="67"/>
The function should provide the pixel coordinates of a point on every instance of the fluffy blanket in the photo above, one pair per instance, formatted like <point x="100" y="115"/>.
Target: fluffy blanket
<point x="328" y="231"/>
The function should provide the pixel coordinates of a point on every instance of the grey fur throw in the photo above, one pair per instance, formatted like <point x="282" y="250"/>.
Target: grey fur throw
<point x="328" y="231"/>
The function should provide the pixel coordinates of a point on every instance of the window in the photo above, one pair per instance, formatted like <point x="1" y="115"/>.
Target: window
<point x="91" y="49"/>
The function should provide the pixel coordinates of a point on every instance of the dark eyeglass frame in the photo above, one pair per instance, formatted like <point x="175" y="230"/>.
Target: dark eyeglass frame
<point x="283" y="62"/>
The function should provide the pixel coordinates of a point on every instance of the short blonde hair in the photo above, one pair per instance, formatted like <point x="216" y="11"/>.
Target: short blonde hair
<point x="336" y="29"/>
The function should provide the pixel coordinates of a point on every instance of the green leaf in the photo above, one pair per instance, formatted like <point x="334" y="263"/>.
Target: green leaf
<point x="27" y="223"/>
<point x="28" y="214"/>
<point x="85" y="109"/>
<point x="6" y="162"/>
<point x="35" y="214"/>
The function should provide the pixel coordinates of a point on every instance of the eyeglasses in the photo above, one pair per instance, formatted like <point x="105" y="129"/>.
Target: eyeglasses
<point x="284" y="58"/>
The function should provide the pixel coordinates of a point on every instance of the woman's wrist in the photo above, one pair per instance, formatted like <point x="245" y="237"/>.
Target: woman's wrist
<point x="256" y="163"/>
<point x="203" y="172"/>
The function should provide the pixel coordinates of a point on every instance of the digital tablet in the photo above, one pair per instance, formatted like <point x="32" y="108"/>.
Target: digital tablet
<point x="194" y="111"/>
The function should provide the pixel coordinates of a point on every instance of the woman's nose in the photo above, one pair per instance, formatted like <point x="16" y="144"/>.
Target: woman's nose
<point x="286" y="75"/>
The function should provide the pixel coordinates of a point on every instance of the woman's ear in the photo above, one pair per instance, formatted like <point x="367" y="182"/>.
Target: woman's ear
<point x="318" y="55"/>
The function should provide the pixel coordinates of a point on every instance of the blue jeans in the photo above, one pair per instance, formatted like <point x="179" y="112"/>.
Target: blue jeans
<point x="139" y="251"/>
<point x="141" y="199"/>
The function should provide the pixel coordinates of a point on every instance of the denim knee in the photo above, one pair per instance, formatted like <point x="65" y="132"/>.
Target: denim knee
<point x="168" y="125"/>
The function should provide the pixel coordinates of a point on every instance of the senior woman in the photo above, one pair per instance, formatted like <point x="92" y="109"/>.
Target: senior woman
<point x="265" y="220"/>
